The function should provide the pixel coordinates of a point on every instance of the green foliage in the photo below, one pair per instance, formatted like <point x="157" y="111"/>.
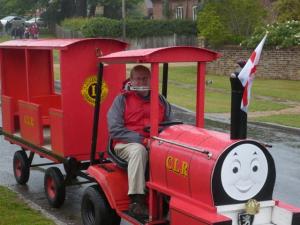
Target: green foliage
<point x="229" y="21"/>
<point x="113" y="8"/>
<point x="280" y="35"/>
<point x="148" y="28"/>
<point x="211" y="26"/>
<point x="53" y="13"/>
<point x="75" y="24"/>
<point x="104" y="27"/>
<point x="18" y="7"/>
<point x="4" y="38"/>
<point x="166" y="9"/>
<point x="287" y="10"/>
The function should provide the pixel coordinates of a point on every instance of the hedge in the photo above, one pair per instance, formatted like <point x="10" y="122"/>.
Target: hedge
<point x="104" y="27"/>
<point x="280" y="35"/>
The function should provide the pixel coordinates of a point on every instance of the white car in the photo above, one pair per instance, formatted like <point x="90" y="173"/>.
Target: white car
<point x="40" y="22"/>
<point x="9" y="19"/>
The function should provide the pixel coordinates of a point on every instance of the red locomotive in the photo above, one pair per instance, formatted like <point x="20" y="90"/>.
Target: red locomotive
<point x="197" y="176"/>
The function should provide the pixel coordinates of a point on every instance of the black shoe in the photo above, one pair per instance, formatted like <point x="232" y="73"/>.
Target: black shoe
<point x="138" y="210"/>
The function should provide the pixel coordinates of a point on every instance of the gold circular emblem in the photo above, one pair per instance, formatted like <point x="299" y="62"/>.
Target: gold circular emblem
<point x="88" y="90"/>
<point x="252" y="207"/>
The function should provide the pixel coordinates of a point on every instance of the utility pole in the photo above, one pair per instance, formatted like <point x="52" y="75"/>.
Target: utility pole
<point x="124" y="18"/>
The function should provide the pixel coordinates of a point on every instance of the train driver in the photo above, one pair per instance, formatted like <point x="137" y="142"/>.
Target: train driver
<point x="127" y="117"/>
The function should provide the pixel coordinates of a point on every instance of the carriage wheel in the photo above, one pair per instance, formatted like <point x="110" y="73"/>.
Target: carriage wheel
<point x="96" y="210"/>
<point x="54" y="187"/>
<point x="21" y="167"/>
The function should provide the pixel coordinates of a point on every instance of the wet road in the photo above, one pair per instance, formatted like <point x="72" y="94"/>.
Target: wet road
<point x="286" y="153"/>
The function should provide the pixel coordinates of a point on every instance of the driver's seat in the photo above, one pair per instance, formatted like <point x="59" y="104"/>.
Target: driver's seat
<point x="116" y="159"/>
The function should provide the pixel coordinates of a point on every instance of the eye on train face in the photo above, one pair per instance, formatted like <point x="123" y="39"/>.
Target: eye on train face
<point x="246" y="170"/>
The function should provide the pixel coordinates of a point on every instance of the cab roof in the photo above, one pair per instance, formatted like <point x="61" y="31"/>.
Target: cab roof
<point x="49" y="43"/>
<point x="165" y="54"/>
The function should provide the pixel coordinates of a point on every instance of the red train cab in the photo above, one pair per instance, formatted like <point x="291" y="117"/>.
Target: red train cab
<point x="197" y="176"/>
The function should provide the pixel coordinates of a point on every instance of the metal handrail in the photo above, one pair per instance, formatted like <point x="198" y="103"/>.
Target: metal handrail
<point x="208" y="153"/>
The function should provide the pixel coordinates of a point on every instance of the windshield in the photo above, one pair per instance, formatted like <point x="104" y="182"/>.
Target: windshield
<point x="8" y="18"/>
<point x="34" y="19"/>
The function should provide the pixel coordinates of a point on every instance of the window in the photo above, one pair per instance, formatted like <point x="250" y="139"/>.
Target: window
<point x="195" y="11"/>
<point x="179" y="12"/>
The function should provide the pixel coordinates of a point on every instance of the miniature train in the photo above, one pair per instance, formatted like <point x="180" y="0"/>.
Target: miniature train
<point x="197" y="176"/>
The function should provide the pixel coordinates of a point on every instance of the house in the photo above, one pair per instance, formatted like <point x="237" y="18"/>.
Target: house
<point x="177" y="9"/>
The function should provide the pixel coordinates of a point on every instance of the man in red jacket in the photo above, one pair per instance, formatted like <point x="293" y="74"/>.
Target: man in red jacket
<point x="127" y="117"/>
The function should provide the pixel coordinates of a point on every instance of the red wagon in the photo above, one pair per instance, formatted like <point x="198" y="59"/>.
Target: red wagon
<point x="54" y="124"/>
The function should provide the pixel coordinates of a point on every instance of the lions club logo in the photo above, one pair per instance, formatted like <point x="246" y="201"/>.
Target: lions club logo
<point x="88" y="90"/>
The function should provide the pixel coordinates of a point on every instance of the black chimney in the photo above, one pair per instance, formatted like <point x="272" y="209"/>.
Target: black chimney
<point x="238" y="119"/>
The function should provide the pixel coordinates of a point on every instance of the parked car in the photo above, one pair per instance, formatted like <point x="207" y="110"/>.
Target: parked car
<point x="9" y="20"/>
<point x="6" y="19"/>
<point x="39" y="21"/>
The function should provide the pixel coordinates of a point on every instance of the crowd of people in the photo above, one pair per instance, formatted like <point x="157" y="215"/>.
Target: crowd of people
<point x="19" y="30"/>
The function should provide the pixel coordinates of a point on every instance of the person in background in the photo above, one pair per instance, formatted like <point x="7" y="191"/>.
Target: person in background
<point x="34" y="31"/>
<point x="26" y="32"/>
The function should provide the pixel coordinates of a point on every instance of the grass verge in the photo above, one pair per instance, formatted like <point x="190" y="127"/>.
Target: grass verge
<point x="291" y="120"/>
<point x="13" y="211"/>
<point x="4" y="38"/>
<point x="267" y="95"/>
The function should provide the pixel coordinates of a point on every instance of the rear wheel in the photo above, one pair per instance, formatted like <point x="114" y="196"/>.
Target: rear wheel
<point x="21" y="167"/>
<point x="95" y="210"/>
<point x="54" y="187"/>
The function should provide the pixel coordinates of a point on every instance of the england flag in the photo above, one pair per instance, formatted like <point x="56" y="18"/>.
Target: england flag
<point x="246" y="75"/>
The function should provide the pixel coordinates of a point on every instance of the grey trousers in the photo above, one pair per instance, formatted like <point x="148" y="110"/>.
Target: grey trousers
<point x="137" y="156"/>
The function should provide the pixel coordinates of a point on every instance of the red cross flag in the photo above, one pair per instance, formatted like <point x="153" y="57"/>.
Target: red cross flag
<point x="246" y="75"/>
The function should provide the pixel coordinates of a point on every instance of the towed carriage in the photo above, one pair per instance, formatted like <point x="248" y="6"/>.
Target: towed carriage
<point x="196" y="176"/>
<point x="53" y="119"/>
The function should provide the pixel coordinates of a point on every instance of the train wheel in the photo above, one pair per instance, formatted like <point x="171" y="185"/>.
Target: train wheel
<point x="95" y="210"/>
<point x="21" y="167"/>
<point x="54" y="187"/>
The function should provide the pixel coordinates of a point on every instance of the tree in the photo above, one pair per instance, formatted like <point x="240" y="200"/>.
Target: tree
<point x="53" y="12"/>
<point x="113" y="8"/>
<point x="67" y="8"/>
<point x="236" y="18"/>
<point x="81" y="8"/>
<point x="18" y="7"/>
<point x="92" y="7"/>
<point x="58" y="10"/>
<point x="287" y="10"/>
<point x="211" y="26"/>
<point x="166" y="9"/>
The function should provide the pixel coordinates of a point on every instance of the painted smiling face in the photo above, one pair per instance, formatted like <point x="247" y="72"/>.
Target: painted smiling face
<point x="244" y="172"/>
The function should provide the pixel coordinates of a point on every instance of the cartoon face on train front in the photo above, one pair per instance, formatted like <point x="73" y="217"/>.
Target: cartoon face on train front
<point x="246" y="171"/>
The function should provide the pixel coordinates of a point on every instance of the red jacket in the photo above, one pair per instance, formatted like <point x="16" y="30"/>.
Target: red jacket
<point x="137" y="113"/>
<point x="130" y="113"/>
